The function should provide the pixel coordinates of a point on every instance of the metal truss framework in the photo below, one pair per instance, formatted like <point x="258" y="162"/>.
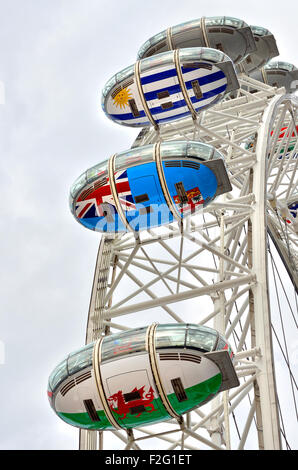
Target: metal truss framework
<point x="211" y="270"/>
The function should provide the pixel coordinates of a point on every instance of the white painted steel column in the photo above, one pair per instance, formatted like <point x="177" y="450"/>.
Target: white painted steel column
<point x="265" y="377"/>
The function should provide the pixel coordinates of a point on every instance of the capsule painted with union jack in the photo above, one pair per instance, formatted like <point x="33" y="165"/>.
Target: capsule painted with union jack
<point x="141" y="376"/>
<point x="227" y="34"/>
<point x="168" y="86"/>
<point x="149" y="186"/>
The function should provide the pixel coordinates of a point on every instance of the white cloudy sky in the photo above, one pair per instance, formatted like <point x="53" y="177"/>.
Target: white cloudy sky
<point x="55" y="57"/>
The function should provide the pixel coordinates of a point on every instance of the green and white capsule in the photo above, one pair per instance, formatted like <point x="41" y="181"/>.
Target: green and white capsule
<point x="141" y="376"/>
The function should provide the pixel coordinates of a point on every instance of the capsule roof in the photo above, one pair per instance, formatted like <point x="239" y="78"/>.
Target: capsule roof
<point x="215" y="32"/>
<point x="278" y="74"/>
<point x="266" y="49"/>
<point x="176" y="335"/>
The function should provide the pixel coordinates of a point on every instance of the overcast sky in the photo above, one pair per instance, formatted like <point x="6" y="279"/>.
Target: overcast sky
<point x="55" y="57"/>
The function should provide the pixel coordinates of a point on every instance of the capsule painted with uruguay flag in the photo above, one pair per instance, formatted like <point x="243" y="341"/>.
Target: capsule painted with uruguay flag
<point x="168" y="86"/>
<point x="141" y="376"/>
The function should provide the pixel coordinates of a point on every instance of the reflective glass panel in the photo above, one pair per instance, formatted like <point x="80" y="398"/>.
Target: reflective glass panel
<point x="80" y="359"/>
<point x="144" y="48"/>
<point x="201" y="150"/>
<point x="133" y="157"/>
<point x="258" y="31"/>
<point x="96" y="171"/>
<point x="180" y="28"/>
<point x="129" y="342"/>
<point x="212" y="55"/>
<point x="58" y="375"/>
<point x="201" y="338"/>
<point x="214" y="20"/>
<point x="221" y="343"/>
<point x="157" y="60"/>
<point x="173" y="149"/>
<point x="170" y="336"/>
<point x="125" y="73"/>
<point x="280" y="65"/>
<point x="78" y="184"/>
<point x="108" y="86"/>
<point x="235" y="22"/>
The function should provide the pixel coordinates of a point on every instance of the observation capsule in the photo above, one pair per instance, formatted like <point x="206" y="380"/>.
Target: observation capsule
<point x="148" y="186"/>
<point x="229" y="35"/>
<point x="278" y="74"/>
<point x="142" y="376"/>
<point x="266" y="49"/>
<point x="168" y="86"/>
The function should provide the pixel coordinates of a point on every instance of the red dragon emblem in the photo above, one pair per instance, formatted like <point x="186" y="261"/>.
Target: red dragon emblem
<point x="134" y="402"/>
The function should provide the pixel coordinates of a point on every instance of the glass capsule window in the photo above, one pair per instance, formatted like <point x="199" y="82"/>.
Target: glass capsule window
<point x="125" y="73"/>
<point x="224" y="21"/>
<point x="280" y="65"/>
<point x="202" y="151"/>
<point x="134" y="157"/>
<point x="258" y="31"/>
<point x="212" y="55"/>
<point x="58" y="375"/>
<point x="80" y="359"/>
<point x="235" y="22"/>
<point x="144" y="48"/>
<point x="201" y="338"/>
<point x="158" y="37"/>
<point x="122" y="344"/>
<point x="170" y="336"/>
<point x="78" y="184"/>
<point x="221" y="344"/>
<point x="157" y="60"/>
<point x="101" y="169"/>
<point x="180" y="28"/>
<point x="173" y="149"/>
<point x="108" y="86"/>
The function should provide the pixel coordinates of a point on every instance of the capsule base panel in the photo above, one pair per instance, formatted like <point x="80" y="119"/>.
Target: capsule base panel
<point x="146" y="413"/>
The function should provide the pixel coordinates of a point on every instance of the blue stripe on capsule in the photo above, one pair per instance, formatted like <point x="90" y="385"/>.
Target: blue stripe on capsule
<point x="158" y="76"/>
<point x="176" y="105"/>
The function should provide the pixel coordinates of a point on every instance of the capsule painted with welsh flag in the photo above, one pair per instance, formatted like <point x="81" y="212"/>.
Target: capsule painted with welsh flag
<point x="141" y="376"/>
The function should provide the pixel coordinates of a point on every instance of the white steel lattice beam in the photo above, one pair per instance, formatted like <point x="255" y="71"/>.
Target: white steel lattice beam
<point x="212" y="272"/>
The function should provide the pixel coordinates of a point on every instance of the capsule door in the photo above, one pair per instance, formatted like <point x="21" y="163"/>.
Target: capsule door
<point x="151" y="208"/>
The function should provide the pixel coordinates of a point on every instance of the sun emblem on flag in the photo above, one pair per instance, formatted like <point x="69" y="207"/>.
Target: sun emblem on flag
<point x="122" y="97"/>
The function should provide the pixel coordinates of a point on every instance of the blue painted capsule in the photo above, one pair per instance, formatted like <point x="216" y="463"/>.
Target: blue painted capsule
<point x="148" y="186"/>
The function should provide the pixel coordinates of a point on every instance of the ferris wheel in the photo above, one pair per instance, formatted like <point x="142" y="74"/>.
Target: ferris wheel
<point x="217" y="155"/>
